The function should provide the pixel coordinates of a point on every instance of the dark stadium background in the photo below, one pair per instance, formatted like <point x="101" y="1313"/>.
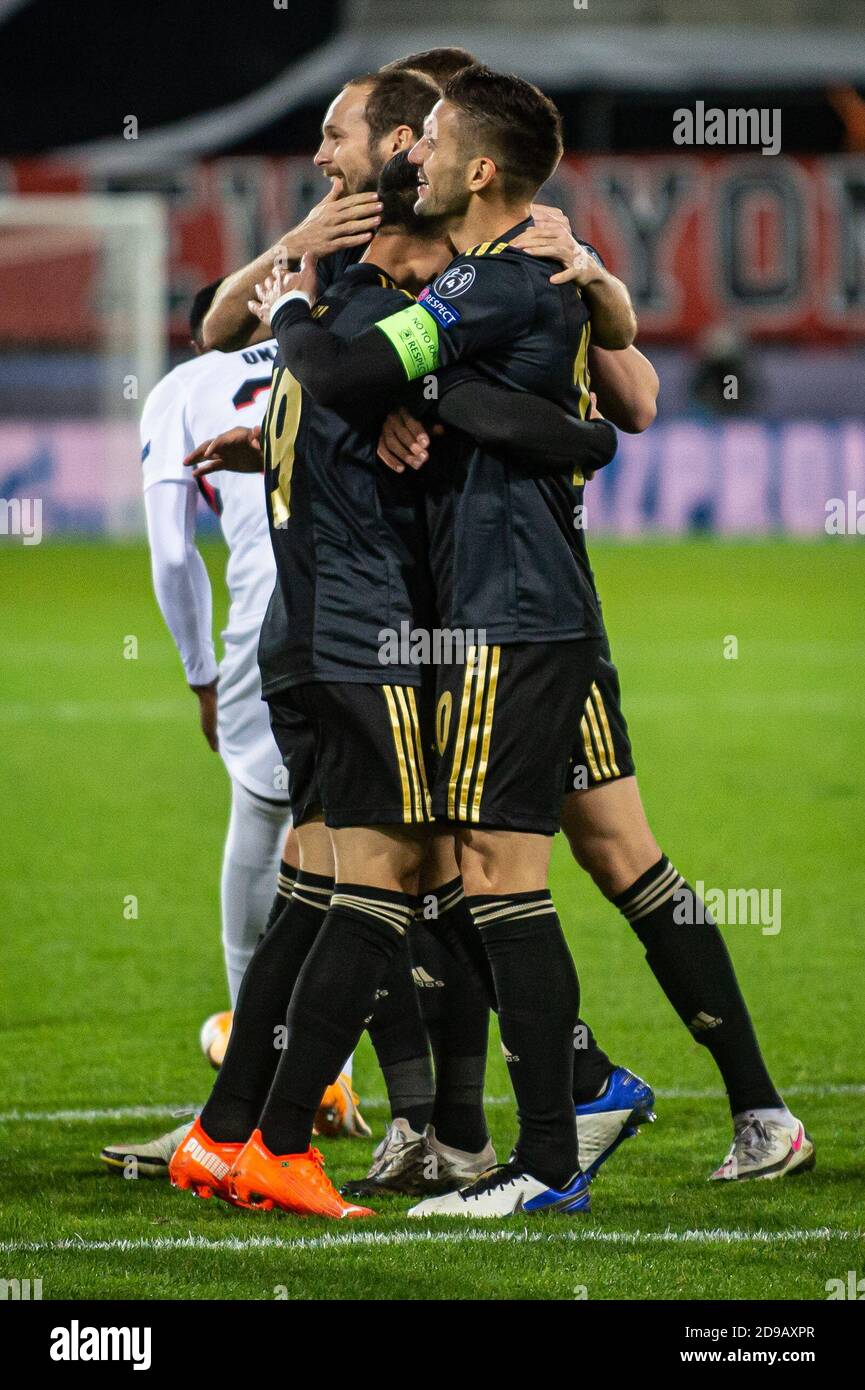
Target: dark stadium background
<point x="170" y="61"/>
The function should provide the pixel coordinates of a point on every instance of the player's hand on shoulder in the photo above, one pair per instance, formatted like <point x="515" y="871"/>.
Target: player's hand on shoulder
<point x="545" y="212"/>
<point x="583" y="269"/>
<point x="236" y="451"/>
<point x="336" y="222"/>
<point x="551" y="239"/>
<point x="207" y="705"/>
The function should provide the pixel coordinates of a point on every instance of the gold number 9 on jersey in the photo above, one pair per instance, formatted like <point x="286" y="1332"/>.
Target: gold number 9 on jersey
<point x="280" y="432"/>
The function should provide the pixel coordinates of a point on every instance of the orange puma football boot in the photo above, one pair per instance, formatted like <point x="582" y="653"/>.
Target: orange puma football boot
<point x="295" y="1183"/>
<point x="201" y="1165"/>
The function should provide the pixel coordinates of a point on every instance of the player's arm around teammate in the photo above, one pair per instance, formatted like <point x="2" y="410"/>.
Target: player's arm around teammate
<point x="614" y="323"/>
<point x="624" y="379"/>
<point x="368" y="122"/>
<point x="333" y="224"/>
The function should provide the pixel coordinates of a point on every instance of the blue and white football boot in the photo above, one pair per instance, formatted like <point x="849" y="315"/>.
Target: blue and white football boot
<point x="612" y="1117"/>
<point x="507" y="1190"/>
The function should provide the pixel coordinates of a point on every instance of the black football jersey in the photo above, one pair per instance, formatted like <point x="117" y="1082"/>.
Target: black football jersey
<point x="508" y="552"/>
<point x="348" y="534"/>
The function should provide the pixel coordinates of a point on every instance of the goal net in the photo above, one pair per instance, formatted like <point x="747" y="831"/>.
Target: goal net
<point x="82" y="341"/>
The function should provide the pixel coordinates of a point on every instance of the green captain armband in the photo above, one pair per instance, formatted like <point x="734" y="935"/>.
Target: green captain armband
<point x="414" y="335"/>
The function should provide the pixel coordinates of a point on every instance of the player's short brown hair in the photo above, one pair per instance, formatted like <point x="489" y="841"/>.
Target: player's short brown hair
<point x="441" y="64"/>
<point x="199" y="307"/>
<point x="396" y="98"/>
<point x="397" y="189"/>
<point x="510" y="120"/>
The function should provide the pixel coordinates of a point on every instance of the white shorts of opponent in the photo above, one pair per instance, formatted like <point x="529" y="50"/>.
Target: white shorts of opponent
<point x="260" y="815"/>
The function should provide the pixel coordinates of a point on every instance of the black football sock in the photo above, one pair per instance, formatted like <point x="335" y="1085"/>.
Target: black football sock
<point x="285" y="882"/>
<point x="240" y="1089"/>
<point x="332" y="1002"/>
<point x="459" y="933"/>
<point x="689" y="959"/>
<point x="539" y="1001"/>
<point x="592" y="1066"/>
<point x="456" y="1010"/>
<point x="399" y="1037"/>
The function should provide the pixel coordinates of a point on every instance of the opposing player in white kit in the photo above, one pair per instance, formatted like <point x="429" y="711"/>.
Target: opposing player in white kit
<point x="214" y="391"/>
<point x="201" y="398"/>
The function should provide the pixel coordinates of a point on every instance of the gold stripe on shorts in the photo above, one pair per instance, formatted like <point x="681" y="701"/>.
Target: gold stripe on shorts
<point x="418" y="745"/>
<point x="587" y="749"/>
<point x="492" y="685"/>
<point x="408" y="743"/>
<point x="605" y="725"/>
<point x="480" y="679"/>
<point x="461" y="731"/>
<point x="400" y="753"/>
<point x="599" y="742"/>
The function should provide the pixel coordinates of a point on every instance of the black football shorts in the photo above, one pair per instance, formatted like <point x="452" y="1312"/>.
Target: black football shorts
<point x="355" y="753"/>
<point x="602" y="751"/>
<point x="504" y="723"/>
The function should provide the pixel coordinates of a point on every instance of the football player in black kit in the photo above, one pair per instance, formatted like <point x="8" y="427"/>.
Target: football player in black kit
<point x="470" y="795"/>
<point x="351" y="563"/>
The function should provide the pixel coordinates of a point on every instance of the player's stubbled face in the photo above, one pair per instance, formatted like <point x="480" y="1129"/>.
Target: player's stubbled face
<point x="441" y="165"/>
<point x="344" y="150"/>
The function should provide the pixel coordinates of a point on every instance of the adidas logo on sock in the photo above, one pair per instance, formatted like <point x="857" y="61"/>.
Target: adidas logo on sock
<point x="703" y="1022"/>
<point x="423" y="980"/>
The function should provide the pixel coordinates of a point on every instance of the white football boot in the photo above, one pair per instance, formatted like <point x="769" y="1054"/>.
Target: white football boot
<point x="148" y="1159"/>
<point x="764" y="1148"/>
<point x="507" y="1190"/>
<point x="445" y="1169"/>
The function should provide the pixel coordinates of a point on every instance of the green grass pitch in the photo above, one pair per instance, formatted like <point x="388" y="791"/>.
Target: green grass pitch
<point x="751" y="772"/>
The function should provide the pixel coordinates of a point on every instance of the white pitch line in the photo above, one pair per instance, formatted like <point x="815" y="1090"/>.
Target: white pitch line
<point x="144" y="1112"/>
<point x="100" y="711"/>
<point x="841" y="1088"/>
<point x="119" y="1112"/>
<point x="384" y="1239"/>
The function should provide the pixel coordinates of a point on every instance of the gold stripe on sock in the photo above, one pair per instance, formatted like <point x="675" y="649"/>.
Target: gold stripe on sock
<point x="663" y="877"/>
<point x="661" y="897"/>
<point x="396" y="915"/>
<point x="299" y="896"/>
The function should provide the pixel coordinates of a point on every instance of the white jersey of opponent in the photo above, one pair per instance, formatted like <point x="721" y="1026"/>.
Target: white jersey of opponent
<point x="211" y="393"/>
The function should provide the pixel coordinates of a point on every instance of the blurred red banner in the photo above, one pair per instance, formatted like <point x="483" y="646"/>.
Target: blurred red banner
<point x="772" y="245"/>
